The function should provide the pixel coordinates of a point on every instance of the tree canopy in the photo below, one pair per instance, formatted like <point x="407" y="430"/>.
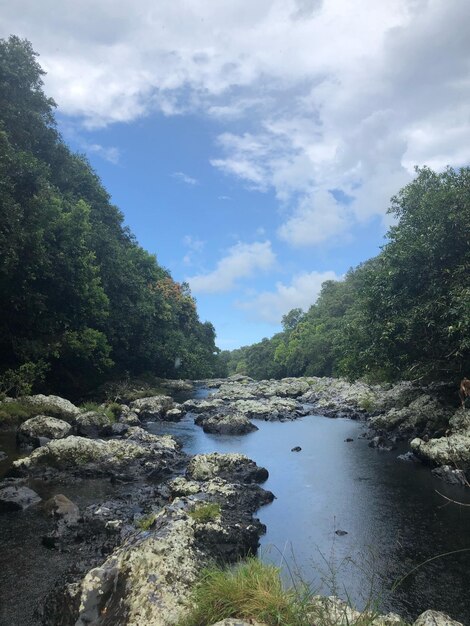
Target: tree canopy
<point x="403" y="314"/>
<point x="81" y="299"/>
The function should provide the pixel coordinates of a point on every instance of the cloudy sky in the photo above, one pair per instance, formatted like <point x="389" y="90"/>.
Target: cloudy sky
<point x="254" y="145"/>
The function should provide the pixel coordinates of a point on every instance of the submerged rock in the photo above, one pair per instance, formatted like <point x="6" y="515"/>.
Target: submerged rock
<point x="17" y="497"/>
<point x="451" y="475"/>
<point x="59" y="506"/>
<point x="30" y="432"/>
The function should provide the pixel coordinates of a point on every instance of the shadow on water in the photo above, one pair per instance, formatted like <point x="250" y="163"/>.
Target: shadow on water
<point x="393" y="517"/>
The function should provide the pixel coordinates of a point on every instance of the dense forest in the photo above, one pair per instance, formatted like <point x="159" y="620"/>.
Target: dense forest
<point x="81" y="300"/>
<point x="404" y="314"/>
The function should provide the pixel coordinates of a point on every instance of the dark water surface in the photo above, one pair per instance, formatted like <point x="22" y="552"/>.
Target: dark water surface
<point x="394" y="518"/>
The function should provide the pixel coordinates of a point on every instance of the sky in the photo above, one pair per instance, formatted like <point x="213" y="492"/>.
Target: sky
<point x="254" y="146"/>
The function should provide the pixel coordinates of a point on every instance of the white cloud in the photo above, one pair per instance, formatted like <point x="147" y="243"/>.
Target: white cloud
<point x="302" y="292"/>
<point x="312" y="95"/>
<point x="195" y="246"/>
<point x="111" y="154"/>
<point x="242" y="261"/>
<point x="184" y="178"/>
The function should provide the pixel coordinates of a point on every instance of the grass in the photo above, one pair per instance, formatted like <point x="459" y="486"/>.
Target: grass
<point x="16" y="412"/>
<point x="253" y="590"/>
<point x="111" y="410"/>
<point x="146" y="522"/>
<point x="203" y="513"/>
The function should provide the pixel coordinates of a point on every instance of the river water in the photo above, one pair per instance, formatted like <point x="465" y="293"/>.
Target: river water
<point x="394" y="519"/>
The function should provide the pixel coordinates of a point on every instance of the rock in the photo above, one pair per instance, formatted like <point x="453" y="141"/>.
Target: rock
<point x="381" y="443"/>
<point x="451" y="475"/>
<point x="3" y="456"/>
<point x="341" y="533"/>
<point x="148" y="579"/>
<point x="174" y="415"/>
<point x="348" y="440"/>
<point x="425" y="414"/>
<point x="333" y="610"/>
<point x="152" y="408"/>
<point x="139" y="454"/>
<point x="296" y="449"/>
<point x="92" y="424"/>
<point x="233" y="467"/>
<point x="203" y="406"/>
<point x="435" y="618"/>
<point x="53" y="406"/>
<point x="17" y="497"/>
<point x="453" y="450"/>
<point x="225" y="424"/>
<point x="178" y="384"/>
<point x="59" y="506"/>
<point x="30" y="432"/>
<point x="408" y="457"/>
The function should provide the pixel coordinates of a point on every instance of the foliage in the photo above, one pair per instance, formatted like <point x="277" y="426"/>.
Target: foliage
<point x="16" y="412"/>
<point x="81" y="297"/>
<point x="203" y="513"/>
<point x="251" y="590"/>
<point x="402" y="314"/>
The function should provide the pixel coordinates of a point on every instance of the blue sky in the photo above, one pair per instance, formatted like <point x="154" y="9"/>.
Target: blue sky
<point x="254" y="147"/>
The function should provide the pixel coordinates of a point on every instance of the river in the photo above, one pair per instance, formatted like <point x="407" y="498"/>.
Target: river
<point x="394" y="520"/>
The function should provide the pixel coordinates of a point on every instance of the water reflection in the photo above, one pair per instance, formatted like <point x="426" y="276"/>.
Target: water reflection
<point x="393" y="517"/>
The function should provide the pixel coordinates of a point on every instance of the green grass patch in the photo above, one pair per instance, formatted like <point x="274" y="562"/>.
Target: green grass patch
<point x="203" y="513"/>
<point x="251" y="590"/>
<point x="111" y="410"/>
<point x="146" y="522"/>
<point x="17" y="412"/>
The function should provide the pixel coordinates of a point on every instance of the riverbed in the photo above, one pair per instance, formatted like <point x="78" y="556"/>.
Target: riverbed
<point x="347" y="519"/>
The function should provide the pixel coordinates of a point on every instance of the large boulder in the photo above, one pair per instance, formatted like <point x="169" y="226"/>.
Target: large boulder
<point x="62" y="508"/>
<point x="425" y="414"/>
<point x="92" y="424"/>
<point x="53" y="406"/>
<point x="205" y="405"/>
<point x="152" y="408"/>
<point x="36" y="429"/>
<point x="139" y="454"/>
<point x="452" y="450"/>
<point x="233" y="467"/>
<point x="225" y="424"/>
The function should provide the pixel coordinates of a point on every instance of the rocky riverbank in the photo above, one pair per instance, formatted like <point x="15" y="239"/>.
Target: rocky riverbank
<point x="135" y="556"/>
<point x="426" y="417"/>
